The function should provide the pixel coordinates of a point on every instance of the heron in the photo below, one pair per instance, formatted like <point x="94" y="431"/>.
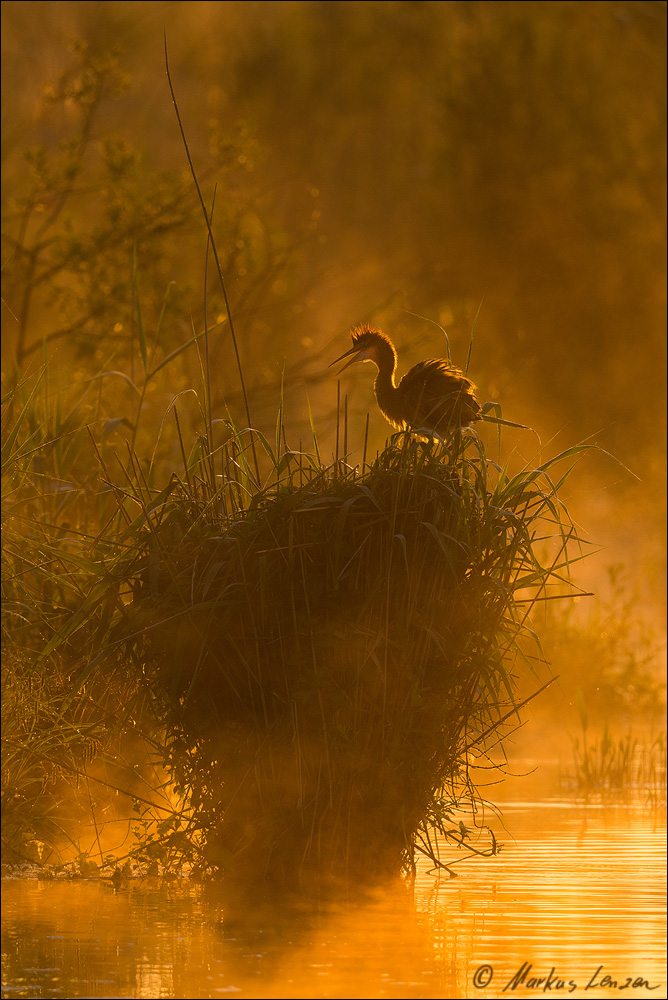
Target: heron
<point x="433" y="395"/>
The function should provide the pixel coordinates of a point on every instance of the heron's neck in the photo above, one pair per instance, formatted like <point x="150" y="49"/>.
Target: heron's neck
<point x="386" y="362"/>
<point x="385" y="382"/>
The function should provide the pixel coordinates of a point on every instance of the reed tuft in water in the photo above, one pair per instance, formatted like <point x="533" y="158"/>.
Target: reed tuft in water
<point x="329" y="653"/>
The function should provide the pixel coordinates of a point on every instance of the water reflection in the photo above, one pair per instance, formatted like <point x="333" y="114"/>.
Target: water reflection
<point x="572" y="891"/>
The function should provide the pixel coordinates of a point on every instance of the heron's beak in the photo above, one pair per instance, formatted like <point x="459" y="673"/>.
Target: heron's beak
<point x="353" y="350"/>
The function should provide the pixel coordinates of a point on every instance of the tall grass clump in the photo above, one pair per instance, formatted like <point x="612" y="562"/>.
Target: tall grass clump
<point x="617" y="766"/>
<point x="328" y="654"/>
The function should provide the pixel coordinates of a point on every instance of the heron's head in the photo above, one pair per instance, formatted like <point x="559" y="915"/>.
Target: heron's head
<point x="368" y="345"/>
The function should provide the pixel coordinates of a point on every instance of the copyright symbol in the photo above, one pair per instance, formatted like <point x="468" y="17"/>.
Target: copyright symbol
<point x="482" y="976"/>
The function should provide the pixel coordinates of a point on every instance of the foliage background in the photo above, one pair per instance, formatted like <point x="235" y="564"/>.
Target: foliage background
<point x="372" y="161"/>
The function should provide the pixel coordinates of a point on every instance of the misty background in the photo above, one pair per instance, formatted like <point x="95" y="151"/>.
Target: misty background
<point x="424" y="166"/>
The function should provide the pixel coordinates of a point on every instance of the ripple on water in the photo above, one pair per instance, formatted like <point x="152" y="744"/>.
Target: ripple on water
<point x="572" y="890"/>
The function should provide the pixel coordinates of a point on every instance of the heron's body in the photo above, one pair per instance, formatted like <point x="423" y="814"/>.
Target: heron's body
<point x="433" y="394"/>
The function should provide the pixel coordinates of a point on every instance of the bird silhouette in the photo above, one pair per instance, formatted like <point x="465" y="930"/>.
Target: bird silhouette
<point x="433" y="395"/>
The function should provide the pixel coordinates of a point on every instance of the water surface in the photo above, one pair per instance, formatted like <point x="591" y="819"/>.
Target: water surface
<point x="577" y="895"/>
